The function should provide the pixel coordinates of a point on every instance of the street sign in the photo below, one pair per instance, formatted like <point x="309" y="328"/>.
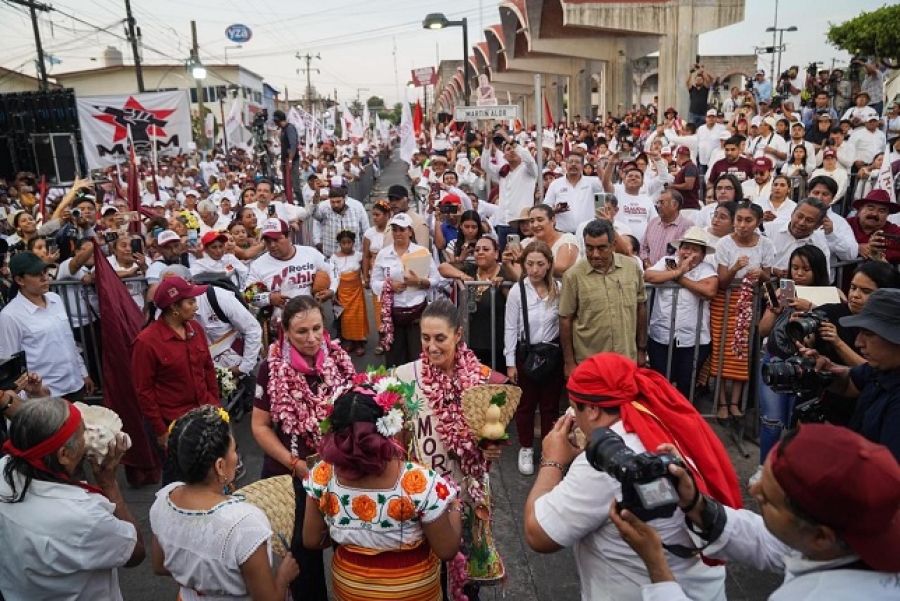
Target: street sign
<point x="424" y="76"/>
<point x="238" y="33"/>
<point x="486" y="113"/>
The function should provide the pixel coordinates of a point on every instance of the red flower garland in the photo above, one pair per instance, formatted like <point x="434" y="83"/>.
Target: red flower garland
<point x="744" y="315"/>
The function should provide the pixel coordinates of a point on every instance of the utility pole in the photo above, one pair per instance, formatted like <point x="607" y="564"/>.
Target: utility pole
<point x="309" y="58"/>
<point x="33" y="7"/>
<point x="201" y="110"/>
<point x="133" y="38"/>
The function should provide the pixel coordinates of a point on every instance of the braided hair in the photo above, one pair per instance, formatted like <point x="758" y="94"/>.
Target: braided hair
<point x="354" y="446"/>
<point x="196" y="441"/>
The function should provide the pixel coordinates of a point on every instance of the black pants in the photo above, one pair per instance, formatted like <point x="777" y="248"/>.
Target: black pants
<point x="682" y="363"/>
<point x="89" y="338"/>
<point x="407" y="345"/>
<point x="310" y="584"/>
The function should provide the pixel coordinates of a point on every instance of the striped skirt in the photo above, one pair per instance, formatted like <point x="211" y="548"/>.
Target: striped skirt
<point x="733" y="367"/>
<point x="412" y="575"/>
<point x="352" y="298"/>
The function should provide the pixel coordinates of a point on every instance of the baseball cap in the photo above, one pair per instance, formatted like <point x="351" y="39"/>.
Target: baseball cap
<point x="401" y="220"/>
<point x="683" y="150"/>
<point x="770" y="121"/>
<point x="824" y="117"/>
<point x="712" y="113"/>
<point x="829" y="153"/>
<point x="26" y="263"/>
<point x="158" y="203"/>
<point x="192" y="192"/>
<point x="725" y="135"/>
<point x="174" y="289"/>
<point x="755" y="121"/>
<point x="763" y="163"/>
<point x="847" y="483"/>
<point x="108" y="209"/>
<point x="879" y="315"/>
<point x="397" y="191"/>
<point x="210" y="237"/>
<point x="274" y="228"/>
<point x="167" y="237"/>
<point x="873" y="117"/>
<point x="452" y="199"/>
<point x="665" y="150"/>
<point x="761" y="72"/>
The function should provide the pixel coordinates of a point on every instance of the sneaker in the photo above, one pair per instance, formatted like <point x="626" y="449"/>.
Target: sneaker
<point x="755" y="477"/>
<point x="526" y="461"/>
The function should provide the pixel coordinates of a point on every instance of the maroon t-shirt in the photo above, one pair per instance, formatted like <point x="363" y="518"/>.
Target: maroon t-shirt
<point x="691" y="197"/>
<point x="741" y="169"/>
<point x="263" y="401"/>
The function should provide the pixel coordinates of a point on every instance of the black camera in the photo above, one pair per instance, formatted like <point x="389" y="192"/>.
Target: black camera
<point x="448" y="208"/>
<point x="785" y="75"/>
<point x="806" y="324"/>
<point x="796" y="375"/>
<point x="748" y="85"/>
<point x="11" y="369"/>
<point x="76" y="213"/>
<point x="649" y="491"/>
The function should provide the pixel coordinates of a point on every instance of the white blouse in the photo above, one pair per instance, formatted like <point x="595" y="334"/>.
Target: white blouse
<point x="543" y="319"/>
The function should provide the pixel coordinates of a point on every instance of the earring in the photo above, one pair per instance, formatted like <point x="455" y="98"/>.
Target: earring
<point x="175" y="313"/>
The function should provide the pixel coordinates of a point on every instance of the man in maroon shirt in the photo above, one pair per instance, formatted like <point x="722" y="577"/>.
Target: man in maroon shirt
<point x="734" y="162"/>
<point x="871" y="223"/>
<point x="687" y="180"/>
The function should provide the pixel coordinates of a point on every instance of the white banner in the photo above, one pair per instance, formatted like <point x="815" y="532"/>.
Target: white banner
<point x="158" y="119"/>
<point x="407" y="137"/>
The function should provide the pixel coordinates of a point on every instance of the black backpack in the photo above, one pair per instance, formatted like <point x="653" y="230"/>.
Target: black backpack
<point x="223" y="282"/>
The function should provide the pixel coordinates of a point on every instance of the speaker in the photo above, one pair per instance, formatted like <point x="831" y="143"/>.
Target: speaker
<point x="54" y="157"/>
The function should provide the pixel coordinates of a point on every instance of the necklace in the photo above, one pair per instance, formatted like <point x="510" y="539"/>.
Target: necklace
<point x="444" y="396"/>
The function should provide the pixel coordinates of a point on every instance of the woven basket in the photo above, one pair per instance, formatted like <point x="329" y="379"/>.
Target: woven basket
<point x="476" y="400"/>
<point x="275" y="497"/>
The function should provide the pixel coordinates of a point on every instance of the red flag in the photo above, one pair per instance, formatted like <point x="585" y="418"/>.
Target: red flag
<point x="42" y="190"/>
<point x="121" y="323"/>
<point x="134" y="187"/>
<point x="417" y="119"/>
<point x="548" y="116"/>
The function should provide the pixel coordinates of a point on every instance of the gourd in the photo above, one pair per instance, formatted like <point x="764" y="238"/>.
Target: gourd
<point x="492" y="428"/>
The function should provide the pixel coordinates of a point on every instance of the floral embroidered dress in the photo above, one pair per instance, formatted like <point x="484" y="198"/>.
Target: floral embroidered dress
<point x="379" y="532"/>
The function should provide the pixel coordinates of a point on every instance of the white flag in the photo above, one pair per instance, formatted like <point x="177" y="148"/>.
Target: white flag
<point x="885" y="179"/>
<point x="407" y="136"/>
<point x="210" y="125"/>
<point x="234" y="125"/>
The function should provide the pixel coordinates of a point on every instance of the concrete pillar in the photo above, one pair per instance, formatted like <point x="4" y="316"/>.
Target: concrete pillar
<point x="677" y="52"/>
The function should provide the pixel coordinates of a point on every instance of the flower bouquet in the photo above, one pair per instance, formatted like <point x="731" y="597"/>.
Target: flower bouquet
<point x="226" y="381"/>
<point x="395" y="398"/>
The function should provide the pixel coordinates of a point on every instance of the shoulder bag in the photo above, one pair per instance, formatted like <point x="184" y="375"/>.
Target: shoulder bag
<point x="541" y="360"/>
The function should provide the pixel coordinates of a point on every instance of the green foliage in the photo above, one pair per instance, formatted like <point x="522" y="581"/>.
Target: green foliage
<point x="876" y="34"/>
<point x="499" y="399"/>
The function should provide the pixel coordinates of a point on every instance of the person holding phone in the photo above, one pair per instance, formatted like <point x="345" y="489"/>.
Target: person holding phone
<point x="572" y="197"/>
<point x="128" y="259"/>
<point x="543" y="229"/>
<point x="871" y="223"/>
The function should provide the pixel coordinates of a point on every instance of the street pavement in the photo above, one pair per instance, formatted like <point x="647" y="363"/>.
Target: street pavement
<point x="530" y="576"/>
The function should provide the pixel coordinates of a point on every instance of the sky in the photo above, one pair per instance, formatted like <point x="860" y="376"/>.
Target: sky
<point x="366" y="47"/>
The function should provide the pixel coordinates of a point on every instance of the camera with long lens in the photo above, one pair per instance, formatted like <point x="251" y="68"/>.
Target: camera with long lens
<point x="804" y="325"/>
<point x="796" y="375"/>
<point x="748" y="85"/>
<point x="649" y="491"/>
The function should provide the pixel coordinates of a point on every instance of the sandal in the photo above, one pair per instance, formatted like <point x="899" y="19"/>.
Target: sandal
<point x="379" y="350"/>
<point x="360" y="351"/>
<point x="723" y="420"/>
<point x="734" y="407"/>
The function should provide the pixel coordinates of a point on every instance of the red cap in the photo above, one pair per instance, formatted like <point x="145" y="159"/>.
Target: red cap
<point x="762" y="163"/>
<point x="682" y="150"/>
<point x="274" y="228"/>
<point x="847" y="483"/>
<point x="829" y="153"/>
<point x="174" y="289"/>
<point x="452" y="199"/>
<point x="211" y="236"/>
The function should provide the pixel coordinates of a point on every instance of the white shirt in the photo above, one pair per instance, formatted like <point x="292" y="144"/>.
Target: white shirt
<point x="810" y="154"/>
<point x="284" y="211"/>
<point x="61" y="543"/>
<point x="634" y="211"/>
<point x="747" y="541"/>
<point x="691" y="141"/>
<point x="46" y="337"/>
<point x="220" y="225"/>
<point x="753" y="191"/>
<point x="543" y="319"/>
<point x="609" y="570"/>
<point x="221" y="334"/>
<point x="782" y="213"/>
<point x="867" y="144"/>
<point x="293" y="277"/>
<point x="389" y="262"/>
<point x="579" y="197"/>
<point x="757" y="148"/>
<point x="839" y="175"/>
<point x="761" y="256"/>
<point x="81" y="300"/>
<point x="230" y="265"/>
<point x="841" y="241"/>
<point x="708" y="141"/>
<point x="516" y="189"/>
<point x="785" y="243"/>
<point x="135" y="289"/>
<point x="689" y="305"/>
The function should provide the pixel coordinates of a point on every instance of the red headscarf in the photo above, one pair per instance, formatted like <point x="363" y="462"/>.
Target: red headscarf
<point x="654" y="410"/>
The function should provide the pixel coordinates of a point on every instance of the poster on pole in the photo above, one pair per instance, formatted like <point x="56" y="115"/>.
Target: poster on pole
<point x="158" y="120"/>
<point x="424" y="76"/>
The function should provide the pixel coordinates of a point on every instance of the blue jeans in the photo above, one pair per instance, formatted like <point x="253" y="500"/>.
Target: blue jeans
<point x="774" y="413"/>
<point x="502" y="232"/>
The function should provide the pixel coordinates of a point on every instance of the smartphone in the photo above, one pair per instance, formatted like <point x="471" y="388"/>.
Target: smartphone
<point x="788" y="292"/>
<point x="271" y="210"/>
<point x="130" y="216"/>
<point x="192" y="237"/>
<point x="671" y="264"/>
<point x="770" y="293"/>
<point x="11" y="369"/>
<point x="601" y="200"/>
<point x="111" y="237"/>
<point x="157" y="231"/>
<point x="137" y="246"/>
<point x="891" y="241"/>
<point x="436" y="189"/>
<point x="513" y="241"/>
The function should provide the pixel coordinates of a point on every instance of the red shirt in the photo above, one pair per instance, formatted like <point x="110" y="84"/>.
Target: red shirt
<point x="892" y="254"/>
<point x="172" y="375"/>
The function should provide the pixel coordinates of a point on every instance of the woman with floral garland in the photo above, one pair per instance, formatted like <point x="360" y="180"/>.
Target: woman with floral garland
<point x="301" y="373"/>
<point x="393" y="520"/>
<point x="442" y="441"/>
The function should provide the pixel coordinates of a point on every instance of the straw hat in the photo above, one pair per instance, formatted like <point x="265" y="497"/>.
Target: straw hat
<point x="697" y="235"/>
<point x="275" y="497"/>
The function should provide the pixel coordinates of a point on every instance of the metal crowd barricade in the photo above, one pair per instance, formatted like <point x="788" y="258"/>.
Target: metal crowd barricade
<point x="76" y="297"/>
<point x="361" y="188"/>
<point x="749" y="426"/>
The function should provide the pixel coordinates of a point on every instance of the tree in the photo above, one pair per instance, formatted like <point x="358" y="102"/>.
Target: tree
<point x="875" y="34"/>
<point x="375" y="102"/>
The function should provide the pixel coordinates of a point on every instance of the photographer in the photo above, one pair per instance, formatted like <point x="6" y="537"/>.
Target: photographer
<point x="830" y="521"/>
<point x="872" y="85"/>
<point x="875" y="385"/>
<point x="699" y="93"/>
<point x="762" y="87"/>
<point x="610" y="391"/>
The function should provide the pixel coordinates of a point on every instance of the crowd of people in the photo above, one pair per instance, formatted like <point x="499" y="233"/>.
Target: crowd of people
<point x="637" y="265"/>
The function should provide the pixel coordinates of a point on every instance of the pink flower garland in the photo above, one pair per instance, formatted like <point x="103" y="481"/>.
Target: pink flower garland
<point x="294" y="406"/>
<point x="744" y="310"/>
<point x="387" y="306"/>
<point x="444" y="395"/>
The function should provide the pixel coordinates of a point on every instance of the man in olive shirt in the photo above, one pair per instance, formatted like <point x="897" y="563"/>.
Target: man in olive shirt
<point x="603" y="303"/>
